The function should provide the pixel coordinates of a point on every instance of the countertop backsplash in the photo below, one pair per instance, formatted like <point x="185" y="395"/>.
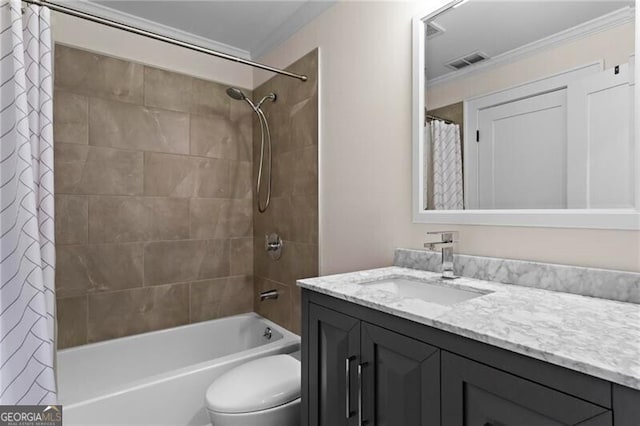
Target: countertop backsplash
<point x="602" y="283"/>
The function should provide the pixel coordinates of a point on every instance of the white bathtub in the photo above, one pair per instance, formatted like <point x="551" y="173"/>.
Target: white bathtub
<point x="160" y="378"/>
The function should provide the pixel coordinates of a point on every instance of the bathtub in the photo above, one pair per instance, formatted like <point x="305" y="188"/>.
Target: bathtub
<point x="160" y="378"/>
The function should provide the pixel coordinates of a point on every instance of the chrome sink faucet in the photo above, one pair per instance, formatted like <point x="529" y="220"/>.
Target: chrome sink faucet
<point x="446" y="244"/>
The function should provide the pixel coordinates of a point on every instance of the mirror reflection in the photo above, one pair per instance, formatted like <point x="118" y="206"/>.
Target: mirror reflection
<point x="529" y="105"/>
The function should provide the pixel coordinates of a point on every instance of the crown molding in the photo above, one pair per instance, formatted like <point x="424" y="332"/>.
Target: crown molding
<point x="301" y="17"/>
<point x="165" y="30"/>
<point x="605" y="22"/>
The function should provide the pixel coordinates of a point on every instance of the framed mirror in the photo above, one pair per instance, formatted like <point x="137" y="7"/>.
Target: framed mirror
<point x="524" y="114"/>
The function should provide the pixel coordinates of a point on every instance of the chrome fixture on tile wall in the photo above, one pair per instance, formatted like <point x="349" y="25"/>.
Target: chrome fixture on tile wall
<point x="269" y="295"/>
<point x="273" y="245"/>
<point x="238" y="95"/>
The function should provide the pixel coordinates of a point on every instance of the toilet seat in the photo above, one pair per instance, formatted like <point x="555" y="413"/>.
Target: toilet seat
<point x="258" y="385"/>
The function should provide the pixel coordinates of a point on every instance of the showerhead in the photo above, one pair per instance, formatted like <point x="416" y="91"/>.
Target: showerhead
<point x="236" y="94"/>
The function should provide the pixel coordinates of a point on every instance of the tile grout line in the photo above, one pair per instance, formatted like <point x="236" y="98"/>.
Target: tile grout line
<point x="144" y="242"/>
<point x="189" y="308"/>
<point x="86" y="337"/>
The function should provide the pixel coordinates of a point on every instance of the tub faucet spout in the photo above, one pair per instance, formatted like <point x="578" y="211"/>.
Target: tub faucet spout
<point x="268" y="295"/>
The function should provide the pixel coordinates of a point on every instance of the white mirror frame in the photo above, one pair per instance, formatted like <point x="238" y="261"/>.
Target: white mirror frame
<point x="565" y="218"/>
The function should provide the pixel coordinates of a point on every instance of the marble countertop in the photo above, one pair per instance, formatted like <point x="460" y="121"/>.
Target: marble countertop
<point x="594" y="336"/>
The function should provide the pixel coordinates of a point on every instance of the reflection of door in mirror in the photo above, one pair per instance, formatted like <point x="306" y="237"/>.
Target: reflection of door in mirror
<point x="522" y="154"/>
<point x="601" y="167"/>
<point x="548" y="100"/>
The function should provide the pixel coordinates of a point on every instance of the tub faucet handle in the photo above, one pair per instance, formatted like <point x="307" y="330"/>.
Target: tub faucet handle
<point x="446" y="237"/>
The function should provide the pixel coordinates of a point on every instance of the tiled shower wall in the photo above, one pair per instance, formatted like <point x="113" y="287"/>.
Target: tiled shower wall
<point x="293" y="213"/>
<point x="154" y="216"/>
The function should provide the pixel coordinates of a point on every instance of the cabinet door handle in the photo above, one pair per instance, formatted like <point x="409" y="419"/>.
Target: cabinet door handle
<point x="361" y="420"/>
<point x="347" y="381"/>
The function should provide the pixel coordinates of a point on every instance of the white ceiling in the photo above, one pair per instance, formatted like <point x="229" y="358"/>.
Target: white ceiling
<point x="244" y="28"/>
<point x="496" y="27"/>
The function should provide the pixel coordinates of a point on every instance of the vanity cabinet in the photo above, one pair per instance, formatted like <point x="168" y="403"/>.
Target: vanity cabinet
<point x="361" y="366"/>
<point x="363" y="374"/>
<point x="475" y="394"/>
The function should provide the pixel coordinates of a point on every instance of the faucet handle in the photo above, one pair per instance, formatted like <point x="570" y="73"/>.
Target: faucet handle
<point x="445" y="236"/>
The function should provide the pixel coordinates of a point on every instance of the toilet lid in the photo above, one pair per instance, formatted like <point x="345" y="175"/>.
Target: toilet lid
<point x="257" y="385"/>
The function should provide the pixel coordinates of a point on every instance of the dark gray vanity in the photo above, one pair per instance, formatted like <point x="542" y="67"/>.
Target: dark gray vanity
<point x="372" y="359"/>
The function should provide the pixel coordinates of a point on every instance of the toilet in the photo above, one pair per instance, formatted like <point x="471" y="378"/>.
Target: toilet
<point x="262" y="392"/>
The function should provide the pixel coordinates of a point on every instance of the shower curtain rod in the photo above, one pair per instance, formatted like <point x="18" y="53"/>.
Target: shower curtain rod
<point x="428" y="116"/>
<point x="113" y="24"/>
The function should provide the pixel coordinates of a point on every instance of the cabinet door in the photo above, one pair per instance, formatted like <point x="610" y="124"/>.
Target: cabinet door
<point x="474" y="394"/>
<point x="334" y="345"/>
<point x="400" y="379"/>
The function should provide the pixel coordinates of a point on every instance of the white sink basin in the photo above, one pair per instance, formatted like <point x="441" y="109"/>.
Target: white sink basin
<point x="415" y="289"/>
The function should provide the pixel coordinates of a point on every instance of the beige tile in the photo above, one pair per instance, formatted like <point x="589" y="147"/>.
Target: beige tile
<point x="214" y="178"/>
<point x="296" y="172"/>
<point x="187" y="260"/>
<point x="277" y="310"/>
<point x="210" y="98"/>
<point x="82" y="169"/>
<point x="126" y="219"/>
<point x="218" y="137"/>
<point x="298" y="261"/>
<point x="183" y="176"/>
<point x="284" y="165"/>
<point x="128" y="312"/>
<point x="71" y="315"/>
<point x="295" y="90"/>
<point x="240" y="110"/>
<point x="217" y="218"/>
<point x="294" y="117"/>
<point x="296" y="312"/>
<point x="82" y="269"/>
<point x="97" y="75"/>
<point x="167" y="90"/>
<point x="241" y="256"/>
<point x="279" y="126"/>
<point x="305" y="171"/>
<point x="294" y="208"/>
<point x="170" y="175"/>
<point x="71" y="219"/>
<point x="303" y="219"/>
<point x="70" y="118"/>
<point x="304" y="123"/>
<point x="221" y="297"/>
<point x="241" y="179"/>
<point x="122" y="125"/>
<point x="275" y="219"/>
<point x="292" y="91"/>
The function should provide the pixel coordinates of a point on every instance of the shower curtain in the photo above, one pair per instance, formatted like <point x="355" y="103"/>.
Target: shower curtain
<point x="447" y="166"/>
<point x="27" y="255"/>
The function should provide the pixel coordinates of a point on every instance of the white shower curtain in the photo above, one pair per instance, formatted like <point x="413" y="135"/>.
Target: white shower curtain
<point x="27" y="254"/>
<point x="447" y="166"/>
